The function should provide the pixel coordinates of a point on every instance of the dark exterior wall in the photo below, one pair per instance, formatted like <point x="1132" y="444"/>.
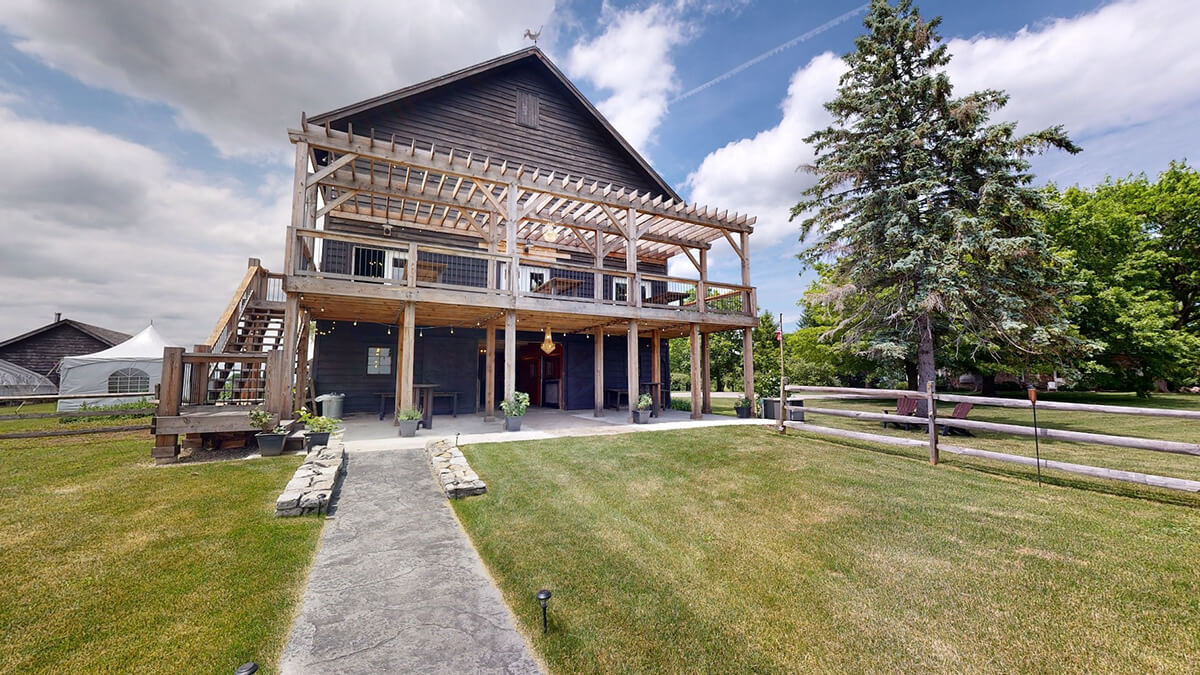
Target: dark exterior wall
<point x="479" y="115"/>
<point x="452" y="362"/>
<point x="43" y="351"/>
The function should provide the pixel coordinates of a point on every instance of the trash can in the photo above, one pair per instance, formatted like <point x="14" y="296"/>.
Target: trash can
<point x="331" y="404"/>
<point x="795" y="411"/>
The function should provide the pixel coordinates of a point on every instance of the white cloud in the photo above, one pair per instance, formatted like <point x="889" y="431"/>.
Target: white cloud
<point x="631" y="59"/>
<point x="1127" y="63"/>
<point x="113" y="233"/>
<point x="241" y="72"/>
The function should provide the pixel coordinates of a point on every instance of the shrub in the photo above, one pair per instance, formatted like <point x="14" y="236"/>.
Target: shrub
<point x="516" y="405"/>
<point x="409" y="415"/>
<point x="317" y="423"/>
<point x="681" y="381"/>
<point x="263" y="420"/>
<point x="644" y="402"/>
<point x="117" y="408"/>
<point x="681" y="404"/>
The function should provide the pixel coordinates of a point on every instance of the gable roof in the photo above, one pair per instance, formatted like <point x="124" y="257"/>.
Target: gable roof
<point x="534" y="55"/>
<point x="105" y="335"/>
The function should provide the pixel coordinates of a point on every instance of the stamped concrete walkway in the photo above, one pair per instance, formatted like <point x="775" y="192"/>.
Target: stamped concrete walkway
<point x="396" y="586"/>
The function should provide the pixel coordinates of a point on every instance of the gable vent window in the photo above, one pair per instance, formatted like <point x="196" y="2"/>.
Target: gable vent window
<point x="527" y="109"/>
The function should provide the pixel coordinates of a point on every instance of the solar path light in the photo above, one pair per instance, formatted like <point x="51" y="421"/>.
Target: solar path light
<point x="543" y="598"/>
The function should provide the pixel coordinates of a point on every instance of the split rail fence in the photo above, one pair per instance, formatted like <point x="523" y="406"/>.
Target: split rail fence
<point x="149" y="396"/>
<point x="933" y="422"/>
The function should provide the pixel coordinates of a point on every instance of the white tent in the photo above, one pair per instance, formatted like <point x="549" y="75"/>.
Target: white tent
<point x="18" y="381"/>
<point x="133" y="366"/>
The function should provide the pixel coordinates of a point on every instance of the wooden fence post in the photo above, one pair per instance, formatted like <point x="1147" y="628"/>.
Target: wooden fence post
<point x="933" y="434"/>
<point x="170" y="391"/>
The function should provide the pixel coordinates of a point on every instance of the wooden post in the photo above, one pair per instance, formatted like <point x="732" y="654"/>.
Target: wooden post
<point x="656" y="367"/>
<point x="933" y="434"/>
<point x="275" y="398"/>
<point x="510" y="354"/>
<point x="510" y="244"/>
<point x="598" y="376"/>
<point x="170" y="390"/>
<point x="697" y="377"/>
<point x="748" y="366"/>
<point x="398" y="392"/>
<point x="489" y="372"/>
<point x="782" y="382"/>
<point x="286" y="375"/>
<point x="705" y="377"/>
<point x="631" y="366"/>
<point x="702" y="285"/>
<point x="407" y="356"/>
<point x="631" y="264"/>
<point x="299" y="205"/>
<point x="302" y="361"/>
<point x="198" y="389"/>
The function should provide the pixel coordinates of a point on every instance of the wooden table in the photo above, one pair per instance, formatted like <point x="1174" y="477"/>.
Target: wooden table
<point x="424" y="395"/>
<point x="558" y="286"/>
<point x="665" y="298"/>
<point x="383" y="399"/>
<point x="453" y="395"/>
<point x="617" y="394"/>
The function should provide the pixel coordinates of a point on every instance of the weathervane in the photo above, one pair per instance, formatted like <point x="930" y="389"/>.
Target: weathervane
<point x="533" y="36"/>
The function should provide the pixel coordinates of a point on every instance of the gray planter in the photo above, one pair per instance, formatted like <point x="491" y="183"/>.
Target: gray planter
<point x="743" y="411"/>
<point x="641" y="416"/>
<point x="408" y="428"/>
<point x="513" y="423"/>
<point x="270" y="445"/>
<point x="314" y="438"/>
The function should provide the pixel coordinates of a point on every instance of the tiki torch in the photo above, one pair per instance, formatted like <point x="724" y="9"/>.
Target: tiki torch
<point x="1037" y="451"/>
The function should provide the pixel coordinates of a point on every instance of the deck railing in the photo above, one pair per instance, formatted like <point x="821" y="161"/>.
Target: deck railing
<point x="374" y="260"/>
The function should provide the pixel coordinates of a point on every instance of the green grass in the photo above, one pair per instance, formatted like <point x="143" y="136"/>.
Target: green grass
<point x="736" y="550"/>
<point x="54" y="423"/>
<point x="113" y="564"/>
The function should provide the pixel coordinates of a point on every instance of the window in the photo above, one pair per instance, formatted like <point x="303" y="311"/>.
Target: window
<point x="379" y="360"/>
<point x="128" y="381"/>
<point x="620" y="289"/>
<point x="368" y="262"/>
<point x="535" y="277"/>
<point x="527" y="109"/>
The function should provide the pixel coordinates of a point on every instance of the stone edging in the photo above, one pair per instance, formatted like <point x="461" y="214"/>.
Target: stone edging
<point x="453" y="473"/>
<point x="312" y="487"/>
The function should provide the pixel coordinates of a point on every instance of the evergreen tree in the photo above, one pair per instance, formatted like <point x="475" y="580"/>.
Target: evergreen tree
<point x="924" y="208"/>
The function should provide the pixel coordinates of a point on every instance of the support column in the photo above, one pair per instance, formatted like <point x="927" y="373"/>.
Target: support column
<point x="286" y="376"/>
<point x="299" y="207"/>
<point x="705" y="377"/>
<point x="408" y="348"/>
<point x="656" y="368"/>
<point x="514" y="258"/>
<point x="170" y="390"/>
<point x="398" y="401"/>
<point x="631" y="366"/>
<point x="748" y="367"/>
<point x="489" y="372"/>
<point x="510" y="354"/>
<point x="598" y="378"/>
<point x="694" y="345"/>
<point x="302" y="362"/>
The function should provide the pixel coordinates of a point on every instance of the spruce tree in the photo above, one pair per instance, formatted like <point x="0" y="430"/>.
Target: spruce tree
<point x="924" y="209"/>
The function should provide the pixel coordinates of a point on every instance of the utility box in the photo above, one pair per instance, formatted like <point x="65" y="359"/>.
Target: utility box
<point x="795" y="411"/>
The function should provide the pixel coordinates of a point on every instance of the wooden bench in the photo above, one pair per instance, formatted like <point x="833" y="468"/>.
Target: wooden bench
<point x="453" y="402"/>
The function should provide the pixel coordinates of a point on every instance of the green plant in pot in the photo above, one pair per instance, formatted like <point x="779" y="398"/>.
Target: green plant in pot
<point x="408" y="420"/>
<point x="318" y="427"/>
<point x="271" y="438"/>
<point x="642" y="414"/>
<point x="514" y="408"/>
<point x="744" y="407"/>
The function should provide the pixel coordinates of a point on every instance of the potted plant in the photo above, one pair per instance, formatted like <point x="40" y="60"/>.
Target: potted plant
<point x="271" y="438"/>
<point x="319" y="427"/>
<point x="408" y="420"/>
<point x="642" y="415"/>
<point x="514" y="410"/>
<point x="744" y="407"/>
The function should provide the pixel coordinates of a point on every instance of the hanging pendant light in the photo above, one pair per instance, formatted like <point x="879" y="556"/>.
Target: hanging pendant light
<point x="548" y="342"/>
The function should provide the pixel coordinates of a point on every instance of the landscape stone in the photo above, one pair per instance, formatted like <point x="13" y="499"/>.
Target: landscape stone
<point x="453" y="473"/>
<point x="314" y="484"/>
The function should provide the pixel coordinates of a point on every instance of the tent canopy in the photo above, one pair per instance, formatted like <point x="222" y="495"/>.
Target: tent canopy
<point x="18" y="381"/>
<point x="132" y="366"/>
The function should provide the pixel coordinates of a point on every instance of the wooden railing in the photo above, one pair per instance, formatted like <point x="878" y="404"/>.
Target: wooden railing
<point x="932" y="422"/>
<point x="376" y="260"/>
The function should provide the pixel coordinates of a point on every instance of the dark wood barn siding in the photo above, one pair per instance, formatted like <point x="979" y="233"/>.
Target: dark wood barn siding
<point x="479" y="115"/>
<point x="42" y="352"/>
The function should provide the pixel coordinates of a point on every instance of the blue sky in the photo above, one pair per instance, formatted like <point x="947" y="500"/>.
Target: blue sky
<point x="148" y="159"/>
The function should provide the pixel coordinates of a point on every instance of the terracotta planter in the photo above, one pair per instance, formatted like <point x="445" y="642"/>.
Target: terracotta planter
<point x="408" y="428"/>
<point x="513" y="423"/>
<point x="270" y="445"/>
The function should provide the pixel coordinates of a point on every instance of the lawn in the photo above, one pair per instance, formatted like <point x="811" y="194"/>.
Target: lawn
<point x="66" y="422"/>
<point x="113" y="564"/>
<point x="1127" y="459"/>
<point x="736" y="550"/>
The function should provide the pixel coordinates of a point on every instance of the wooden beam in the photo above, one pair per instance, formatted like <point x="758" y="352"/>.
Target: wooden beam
<point x="510" y="244"/>
<point x="631" y="366"/>
<point x="287" y="372"/>
<point x="705" y="377"/>
<point x="510" y="354"/>
<point x="656" y="368"/>
<point x="398" y="392"/>
<point x="489" y="372"/>
<point x="598" y="372"/>
<point x="328" y="170"/>
<point x="696" y="376"/>
<point x="748" y="367"/>
<point x="342" y="198"/>
<point x="406" y="358"/>
<point x="302" y="361"/>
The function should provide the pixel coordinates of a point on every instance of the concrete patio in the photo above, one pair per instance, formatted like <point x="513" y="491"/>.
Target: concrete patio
<point x="367" y="432"/>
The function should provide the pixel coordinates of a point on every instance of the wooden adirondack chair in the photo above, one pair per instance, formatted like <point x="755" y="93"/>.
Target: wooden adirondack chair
<point x="904" y="406"/>
<point x="960" y="413"/>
